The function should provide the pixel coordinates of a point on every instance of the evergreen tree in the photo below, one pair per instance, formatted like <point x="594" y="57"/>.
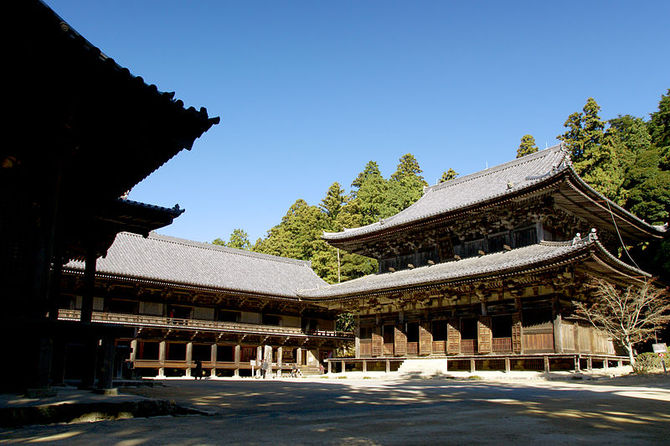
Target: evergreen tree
<point x="448" y="175"/>
<point x="527" y="146"/>
<point x="297" y="234"/>
<point x="659" y="129"/>
<point x="594" y="157"/>
<point x="239" y="239"/>
<point x="333" y="201"/>
<point x="408" y="167"/>
<point x="371" y="169"/>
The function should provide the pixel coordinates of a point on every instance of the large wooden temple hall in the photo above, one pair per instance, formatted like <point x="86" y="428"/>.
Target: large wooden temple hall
<point x="485" y="270"/>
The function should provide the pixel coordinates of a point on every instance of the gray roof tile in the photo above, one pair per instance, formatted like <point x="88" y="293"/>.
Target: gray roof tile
<point x="471" y="189"/>
<point x="174" y="260"/>
<point x="525" y="258"/>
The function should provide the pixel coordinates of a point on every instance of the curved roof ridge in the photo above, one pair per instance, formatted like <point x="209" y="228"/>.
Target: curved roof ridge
<point x="491" y="170"/>
<point x="210" y="246"/>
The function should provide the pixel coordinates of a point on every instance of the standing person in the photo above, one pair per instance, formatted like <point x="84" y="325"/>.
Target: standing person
<point x="198" y="369"/>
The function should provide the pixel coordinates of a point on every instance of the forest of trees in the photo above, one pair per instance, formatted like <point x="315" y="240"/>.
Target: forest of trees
<point x="627" y="159"/>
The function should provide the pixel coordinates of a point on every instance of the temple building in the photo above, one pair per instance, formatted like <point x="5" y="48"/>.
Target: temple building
<point x="185" y="301"/>
<point x="81" y="132"/>
<point x="483" y="271"/>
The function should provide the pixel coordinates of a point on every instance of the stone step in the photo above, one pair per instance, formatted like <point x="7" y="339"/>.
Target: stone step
<point x="423" y="367"/>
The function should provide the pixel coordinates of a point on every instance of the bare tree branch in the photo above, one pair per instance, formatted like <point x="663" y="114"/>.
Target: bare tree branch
<point x="629" y="315"/>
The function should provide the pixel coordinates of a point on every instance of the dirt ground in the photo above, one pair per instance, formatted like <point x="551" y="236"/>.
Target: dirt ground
<point x="392" y="411"/>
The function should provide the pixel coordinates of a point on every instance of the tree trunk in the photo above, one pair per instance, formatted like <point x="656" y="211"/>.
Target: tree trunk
<point x="629" y="349"/>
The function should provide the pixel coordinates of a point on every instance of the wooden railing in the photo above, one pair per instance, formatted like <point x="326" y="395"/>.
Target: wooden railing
<point x="198" y="324"/>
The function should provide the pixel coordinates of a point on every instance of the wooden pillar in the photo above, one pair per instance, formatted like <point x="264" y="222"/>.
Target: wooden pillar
<point x="89" y="285"/>
<point x="330" y="367"/>
<point x="472" y="365"/>
<point x="589" y="363"/>
<point x="577" y="366"/>
<point x="508" y="367"/>
<point x="546" y="364"/>
<point x="357" y="337"/>
<point x="365" y="366"/>
<point x="342" y="366"/>
<point x="517" y="332"/>
<point x="606" y="364"/>
<point x="298" y="356"/>
<point x="280" y="360"/>
<point x="189" y="357"/>
<point x="388" y="366"/>
<point x="620" y="363"/>
<point x="58" y="362"/>
<point x="212" y="359"/>
<point x="558" y="337"/>
<point x="162" y="348"/>
<point x="259" y="360"/>
<point x="237" y="358"/>
<point x="105" y="382"/>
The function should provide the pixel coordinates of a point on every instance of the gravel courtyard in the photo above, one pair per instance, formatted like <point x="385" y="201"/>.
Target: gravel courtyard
<point x="385" y="411"/>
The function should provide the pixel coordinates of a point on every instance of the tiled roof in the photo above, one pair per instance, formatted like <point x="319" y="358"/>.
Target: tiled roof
<point x="527" y="258"/>
<point x="468" y="190"/>
<point x="164" y="259"/>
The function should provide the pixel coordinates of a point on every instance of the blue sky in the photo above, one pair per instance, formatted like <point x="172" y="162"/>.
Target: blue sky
<point x="310" y="91"/>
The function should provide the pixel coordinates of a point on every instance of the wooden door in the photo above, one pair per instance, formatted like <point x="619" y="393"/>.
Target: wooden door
<point x="377" y="344"/>
<point x="425" y="340"/>
<point x="400" y="342"/>
<point x="453" y="337"/>
<point x="484" y="335"/>
<point x="516" y="333"/>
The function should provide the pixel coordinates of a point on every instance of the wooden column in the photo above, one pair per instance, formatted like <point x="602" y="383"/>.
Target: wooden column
<point x="546" y="364"/>
<point x="237" y="358"/>
<point x="189" y="357"/>
<point x="388" y="366"/>
<point x="89" y="285"/>
<point x="212" y="359"/>
<point x="280" y="359"/>
<point x="105" y="382"/>
<point x="162" y="348"/>
<point x="343" y="366"/>
<point x="298" y="356"/>
<point x="365" y="366"/>
<point x="508" y="367"/>
<point x="357" y="338"/>
<point x="558" y="336"/>
<point x="330" y="367"/>
<point x="517" y="332"/>
<point x="472" y="365"/>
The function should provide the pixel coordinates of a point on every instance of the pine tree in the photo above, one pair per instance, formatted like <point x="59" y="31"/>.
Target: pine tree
<point x="448" y="175"/>
<point x="594" y="156"/>
<point x="659" y="129"/>
<point x="371" y="169"/>
<point x="408" y="167"/>
<point x="239" y="239"/>
<point x="527" y="146"/>
<point x="333" y="201"/>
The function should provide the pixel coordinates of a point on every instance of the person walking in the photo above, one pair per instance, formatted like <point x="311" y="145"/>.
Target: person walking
<point x="197" y="372"/>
